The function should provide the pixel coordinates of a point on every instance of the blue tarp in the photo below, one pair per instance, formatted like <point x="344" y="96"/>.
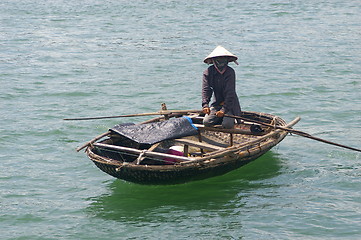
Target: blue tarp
<point x="152" y="133"/>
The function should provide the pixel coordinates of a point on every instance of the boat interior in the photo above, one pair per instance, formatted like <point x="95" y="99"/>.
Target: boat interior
<point x="208" y="139"/>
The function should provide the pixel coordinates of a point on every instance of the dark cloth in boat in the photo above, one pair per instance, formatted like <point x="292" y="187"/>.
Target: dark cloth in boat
<point x="152" y="133"/>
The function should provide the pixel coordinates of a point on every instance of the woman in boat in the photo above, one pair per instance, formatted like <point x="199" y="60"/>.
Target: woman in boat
<point x="220" y="79"/>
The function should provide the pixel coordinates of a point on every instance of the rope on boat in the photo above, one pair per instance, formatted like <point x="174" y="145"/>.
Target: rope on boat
<point x="140" y="157"/>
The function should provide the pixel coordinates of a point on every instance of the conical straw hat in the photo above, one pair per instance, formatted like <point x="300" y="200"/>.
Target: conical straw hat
<point x="220" y="52"/>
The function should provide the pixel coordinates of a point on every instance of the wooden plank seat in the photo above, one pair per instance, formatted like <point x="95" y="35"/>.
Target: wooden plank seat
<point x="202" y="145"/>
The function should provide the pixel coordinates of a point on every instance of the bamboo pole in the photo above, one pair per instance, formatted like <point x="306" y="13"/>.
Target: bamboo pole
<point x="92" y="141"/>
<point x="162" y="112"/>
<point x="144" y="152"/>
<point x="297" y="132"/>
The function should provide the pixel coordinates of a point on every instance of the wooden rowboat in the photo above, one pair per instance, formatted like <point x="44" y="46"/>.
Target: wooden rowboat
<point x="204" y="153"/>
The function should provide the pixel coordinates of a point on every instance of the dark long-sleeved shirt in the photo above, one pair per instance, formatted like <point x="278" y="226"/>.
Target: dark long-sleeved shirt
<point x="223" y="86"/>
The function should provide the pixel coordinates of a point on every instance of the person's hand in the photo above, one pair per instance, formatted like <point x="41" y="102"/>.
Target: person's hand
<point x="220" y="114"/>
<point x="206" y="110"/>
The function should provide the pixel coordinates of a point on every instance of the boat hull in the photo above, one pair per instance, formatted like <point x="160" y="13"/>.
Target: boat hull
<point x="197" y="168"/>
<point x="177" y="174"/>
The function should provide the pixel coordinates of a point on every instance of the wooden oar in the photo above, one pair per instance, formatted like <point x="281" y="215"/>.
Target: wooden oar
<point x="162" y="112"/>
<point x="92" y="141"/>
<point x="297" y="132"/>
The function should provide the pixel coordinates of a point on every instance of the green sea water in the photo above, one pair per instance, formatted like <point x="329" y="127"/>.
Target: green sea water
<point x="66" y="59"/>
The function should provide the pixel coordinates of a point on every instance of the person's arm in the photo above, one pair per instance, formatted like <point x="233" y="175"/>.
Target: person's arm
<point x="207" y="91"/>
